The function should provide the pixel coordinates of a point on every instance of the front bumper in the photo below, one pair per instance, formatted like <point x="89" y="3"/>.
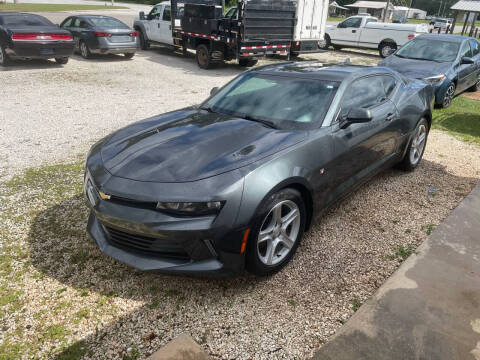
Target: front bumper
<point x="137" y="234"/>
<point x="40" y="50"/>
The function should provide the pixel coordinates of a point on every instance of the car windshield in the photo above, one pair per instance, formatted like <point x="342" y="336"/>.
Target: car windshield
<point x="107" y="22"/>
<point x="281" y="101"/>
<point x="429" y="49"/>
<point x="25" y="20"/>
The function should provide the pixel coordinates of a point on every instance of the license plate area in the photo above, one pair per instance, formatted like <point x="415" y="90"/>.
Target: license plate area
<point x="120" y="38"/>
<point x="47" y="51"/>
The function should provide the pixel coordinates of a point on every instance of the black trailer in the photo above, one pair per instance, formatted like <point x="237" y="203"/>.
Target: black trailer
<point x="255" y="28"/>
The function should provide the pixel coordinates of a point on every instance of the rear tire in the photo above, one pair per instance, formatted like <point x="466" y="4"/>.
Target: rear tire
<point x="336" y="47"/>
<point x="4" y="59"/>
<point x="203" y="57"/>
<point x="476" y="87"/>
<point x="416" y="147"/>
<point x="62" y="60"/>
<point x="448" y="97"/>
<point x="129" y="55"/>
<point x="144" y="43"/>
<point x="386" y="49"/>
<point x="275" y="236"/>
<point x="84" y="50"/>
<point x="247" y="62"/>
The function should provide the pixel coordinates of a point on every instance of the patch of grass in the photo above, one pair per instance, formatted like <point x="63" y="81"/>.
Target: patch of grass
<point x="10" y="297"/>
<point x="292" y="302"/>
<point x="54" y="7"/>
<point x="55" y="332"/>
<point x="172" y="292"/>
<point x="132" y="354"/>
<point x="461" y="119"/>
<point x="10" y="351"/>
<point x="402" y="252"/>
<point x="356" y="303"/>
<point x="82" y="314"/>
<point x="408" y="231"/>
<point x="429" y="228"/>
<point x="76" y="351"/>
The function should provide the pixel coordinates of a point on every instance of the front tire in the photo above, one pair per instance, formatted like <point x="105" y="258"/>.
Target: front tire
<point x="4" y="60"/>
<point x="247" y="62"/>
<point x="386" y="49"/>
<point x="416" y="147"/>
<point x="62" y="60"/>
<point x="276" y="233"/>
<point x="84" y="50"/>
<point x="144" y="43"/>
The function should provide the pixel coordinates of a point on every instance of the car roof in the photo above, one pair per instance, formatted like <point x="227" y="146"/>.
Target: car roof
<point x="3" y="13"/>
<point x="88" y="16"/>
<point x="320" y="71"/>
<point x="445" y="37"/>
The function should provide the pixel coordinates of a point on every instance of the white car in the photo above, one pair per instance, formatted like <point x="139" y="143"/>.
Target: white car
<point x="368" y="33"/>
<point x="442" y="24"/>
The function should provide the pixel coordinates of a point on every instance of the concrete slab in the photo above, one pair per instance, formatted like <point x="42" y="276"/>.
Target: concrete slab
<point x="181" y="348"/>
<point x="430" y="307"/>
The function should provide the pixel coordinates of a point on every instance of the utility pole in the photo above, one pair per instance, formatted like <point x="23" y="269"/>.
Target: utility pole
<point x="386" y="10"/>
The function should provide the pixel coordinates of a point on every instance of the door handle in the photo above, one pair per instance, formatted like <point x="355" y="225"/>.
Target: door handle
<point x="390" y="117"/>
<point x="354" y="31"/>
<point x="158" y="25"/>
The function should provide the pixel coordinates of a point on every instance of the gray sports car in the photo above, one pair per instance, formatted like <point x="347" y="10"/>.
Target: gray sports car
<point x="237" y="180"/>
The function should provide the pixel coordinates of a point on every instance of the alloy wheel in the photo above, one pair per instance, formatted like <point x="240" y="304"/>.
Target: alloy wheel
<point x="418" y="144"/>
<point x="83" y="50"/>
<point x="447" y="99"/>
<point x="2" y="57"/>
<point x="279" y="232"/>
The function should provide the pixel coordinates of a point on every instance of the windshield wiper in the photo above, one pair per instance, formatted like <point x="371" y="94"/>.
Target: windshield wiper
<point x="267" y="123"/>
<point x="208" y="108"/>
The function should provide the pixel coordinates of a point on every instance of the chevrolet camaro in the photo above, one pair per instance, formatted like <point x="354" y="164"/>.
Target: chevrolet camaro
<point x="234" y="182"/>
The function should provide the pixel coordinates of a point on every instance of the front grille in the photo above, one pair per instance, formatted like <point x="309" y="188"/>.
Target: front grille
<point x="145" y="245"/>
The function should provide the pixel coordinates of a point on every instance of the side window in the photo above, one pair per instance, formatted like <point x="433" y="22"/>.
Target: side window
<point x="371" y="20"/>
<point x="167" y="14"/>
<point x="475" y="47"/>
<point x="354" y="22"/>
<point x="67" y="23"/>
<point x="155" y="13"/>
<point x="465" y="50"/>
<point x="365" y="93"/>
<point x="76" y="22"/>
<point x="389" y="84"/>
<point x="83" y="24"/>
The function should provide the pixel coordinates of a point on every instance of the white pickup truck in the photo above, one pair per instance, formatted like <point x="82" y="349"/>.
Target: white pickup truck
<point x="368" y="33"/>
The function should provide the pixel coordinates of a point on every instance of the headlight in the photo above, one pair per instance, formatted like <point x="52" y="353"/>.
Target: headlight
<point x="191" y="208"/>
<point x="435" y="79"/>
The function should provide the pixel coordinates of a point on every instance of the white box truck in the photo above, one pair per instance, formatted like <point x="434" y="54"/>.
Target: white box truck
<point x="311" y="20"/>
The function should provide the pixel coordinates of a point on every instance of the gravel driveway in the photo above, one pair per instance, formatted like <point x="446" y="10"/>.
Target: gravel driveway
<point x="60" y="297"/>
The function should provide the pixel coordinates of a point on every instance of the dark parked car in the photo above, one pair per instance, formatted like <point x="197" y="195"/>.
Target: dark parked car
<point x="450" y="63"/>
<point x="97" y="34"/>
<point x="237" y="180"/>
<point x="29" y="36"/>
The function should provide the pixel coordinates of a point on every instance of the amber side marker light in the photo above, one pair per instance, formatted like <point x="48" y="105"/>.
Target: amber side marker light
<point x="244" y="241"/>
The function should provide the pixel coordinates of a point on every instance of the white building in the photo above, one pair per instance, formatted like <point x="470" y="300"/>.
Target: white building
<point x="374" y="8"/>
<point x="409" y="13"/>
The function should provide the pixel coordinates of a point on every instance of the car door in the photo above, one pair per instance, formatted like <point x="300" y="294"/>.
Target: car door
<point x="152" y="25"/>
<point x="475" y="45"/>
<point x="165" y="26"/>
<point x="466" y="72"/>
<point x="362" y="149"/>
<point x="70" y="25"/>
<point x="347" y="32"/>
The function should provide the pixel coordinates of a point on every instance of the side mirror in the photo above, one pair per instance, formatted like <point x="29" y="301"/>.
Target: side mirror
<point x="340" y="26"/>
<point x="467" y="60"/>
<point x="356" y="116"/>
<point x="141" y="15"/>
<point x="214" y="90"/>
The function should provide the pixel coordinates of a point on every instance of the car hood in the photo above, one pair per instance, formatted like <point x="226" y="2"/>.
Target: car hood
<point x="416" y="69"/>
<point x="189" y="145"/>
